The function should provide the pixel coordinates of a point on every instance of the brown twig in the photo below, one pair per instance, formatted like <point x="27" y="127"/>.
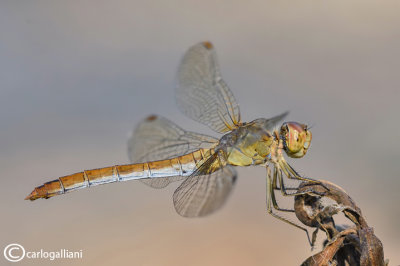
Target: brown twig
<point x="350" y="245"/>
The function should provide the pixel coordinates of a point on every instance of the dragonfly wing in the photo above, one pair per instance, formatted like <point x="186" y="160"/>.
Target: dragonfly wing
<point x="161" y="182"/>
<point x="200" y="195"/>
<point x="270" y="123"/>
<point x="157" y="138"/>
<point x="202" y="94"/>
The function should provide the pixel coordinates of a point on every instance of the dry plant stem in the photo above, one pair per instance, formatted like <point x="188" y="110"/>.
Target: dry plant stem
<point x="354" y="245"/>
<point x="325" y="257"/>
<point x="371" y="247"/>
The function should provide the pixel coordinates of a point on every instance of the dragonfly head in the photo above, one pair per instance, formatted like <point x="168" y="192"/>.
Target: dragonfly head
<point x="296" y="139"/>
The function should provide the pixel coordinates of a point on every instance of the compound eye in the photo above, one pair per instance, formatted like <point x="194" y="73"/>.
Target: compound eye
<point x="307" y="139"/>
<point x="296" y="135"/>
<point x="296" y="139"/>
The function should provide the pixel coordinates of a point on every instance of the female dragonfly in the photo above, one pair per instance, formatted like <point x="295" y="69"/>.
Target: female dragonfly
<point x="161" y="152"/>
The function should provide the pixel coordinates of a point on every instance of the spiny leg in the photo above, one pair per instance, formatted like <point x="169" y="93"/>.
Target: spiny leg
<point x="292" y="174"/>
<point x="275" y="183"/>
<point x="283" y="189"/>
<point x="310" y="191"/>
<point x="270" y="192"/>
<point x="275" y="187"/>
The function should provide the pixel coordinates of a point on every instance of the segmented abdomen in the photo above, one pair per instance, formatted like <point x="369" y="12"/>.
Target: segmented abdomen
<point x="179" y="166"/>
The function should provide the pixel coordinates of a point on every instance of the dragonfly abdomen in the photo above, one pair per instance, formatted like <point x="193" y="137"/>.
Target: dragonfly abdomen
<point x="179" y="166"/>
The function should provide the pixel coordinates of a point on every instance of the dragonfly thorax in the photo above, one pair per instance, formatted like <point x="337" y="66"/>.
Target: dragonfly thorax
<point x="247" y="145"/>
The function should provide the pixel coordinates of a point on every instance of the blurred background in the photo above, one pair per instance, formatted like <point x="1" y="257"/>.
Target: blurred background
<point x="76" y="76"/>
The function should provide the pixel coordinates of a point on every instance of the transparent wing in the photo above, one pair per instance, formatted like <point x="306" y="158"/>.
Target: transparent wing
<point x="202" y="94"/>
<point x="157" y="138"/>
<point x="271" y="122"/>
<point x="200" y="195"/>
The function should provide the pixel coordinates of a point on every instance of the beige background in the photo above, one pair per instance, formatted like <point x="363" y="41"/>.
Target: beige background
<point x="76" y="76"/>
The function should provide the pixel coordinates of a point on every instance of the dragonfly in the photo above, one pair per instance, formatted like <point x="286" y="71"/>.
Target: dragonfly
<point x="161" y="152"/>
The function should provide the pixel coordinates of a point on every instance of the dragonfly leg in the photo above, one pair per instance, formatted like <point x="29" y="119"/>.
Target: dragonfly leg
<point x="270" y="192"/>
<point x="292" y="174"/>
<point x="283" y="189"/>
<point x="275" y="187"/>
